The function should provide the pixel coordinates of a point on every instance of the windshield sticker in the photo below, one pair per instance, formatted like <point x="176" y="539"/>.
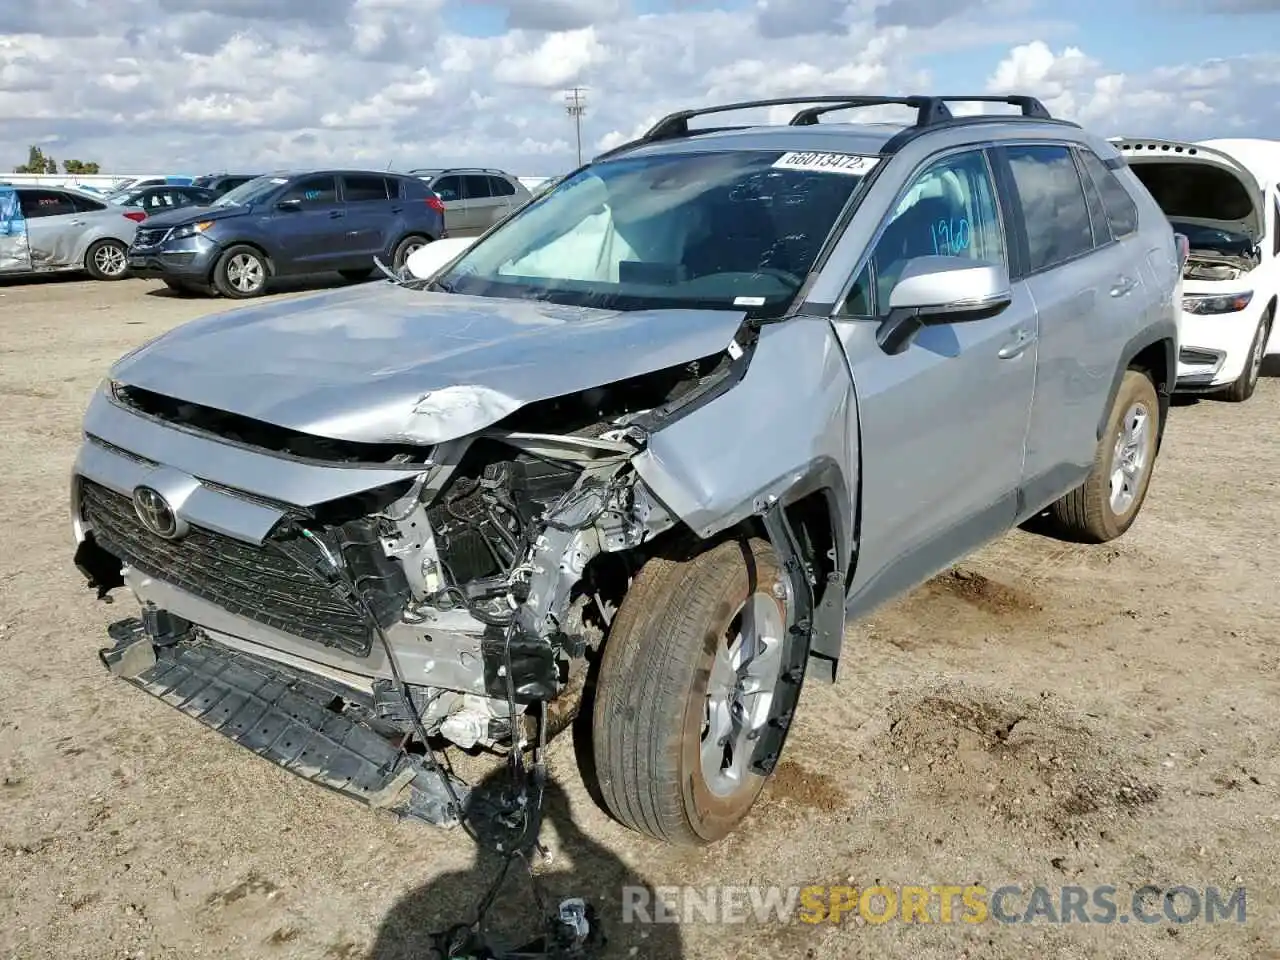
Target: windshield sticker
<point x="847" y="163"/>
<point x="279" y="180"/>
<point x="748" y="301"/>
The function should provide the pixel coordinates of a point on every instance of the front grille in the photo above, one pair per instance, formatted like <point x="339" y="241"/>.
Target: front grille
<point x="257" y="582"/>
<point x="149" y="238"/>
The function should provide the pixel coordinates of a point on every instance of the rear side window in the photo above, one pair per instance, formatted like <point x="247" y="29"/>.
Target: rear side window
<point x="362" y="189"/>
<point x="1122" y="212"/>
<point x="87" y="204"/>
<point x="1053" y="204"/>
<point x="476" y="187"/>
<point x="501" y="187"/>
<point x="45" y="203"/>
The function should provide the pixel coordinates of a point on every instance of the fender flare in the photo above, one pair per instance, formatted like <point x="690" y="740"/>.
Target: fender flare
<point x="1166" y="334"/>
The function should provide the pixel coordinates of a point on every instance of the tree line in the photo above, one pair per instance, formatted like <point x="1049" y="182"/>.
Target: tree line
<point x="39" y="162"/>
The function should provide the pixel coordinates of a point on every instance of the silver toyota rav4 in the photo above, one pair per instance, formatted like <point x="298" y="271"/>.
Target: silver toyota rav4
<point x="640" y="452"/>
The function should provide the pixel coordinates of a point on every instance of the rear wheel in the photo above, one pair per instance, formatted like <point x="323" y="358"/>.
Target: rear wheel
<point x="1107" y="503"/>
<point x="687" y="679"/>
<point x="406" y="248"/>
<point x="240" y="272"/>
<point x="1247" y="382"/>
<point x="106" y="260"/>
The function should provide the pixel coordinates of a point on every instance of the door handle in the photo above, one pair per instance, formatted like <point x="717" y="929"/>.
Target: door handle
<point x="396" y="209"/>
<point x="1122" y="286"/>
<point x="335" y="214"/>
<point x="1018" y="347"/>
<point x="77" y="223"/>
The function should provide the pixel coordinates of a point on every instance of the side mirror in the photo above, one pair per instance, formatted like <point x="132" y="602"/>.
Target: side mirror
<point x="941" y="290"/>
<point x="294" y="204"/>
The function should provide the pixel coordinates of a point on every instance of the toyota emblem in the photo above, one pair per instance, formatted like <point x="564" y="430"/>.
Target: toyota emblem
<point x="155" y="513"/>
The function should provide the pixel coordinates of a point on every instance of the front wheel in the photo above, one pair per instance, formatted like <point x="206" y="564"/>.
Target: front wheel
<point x="689" y="674"/>
<point x="1107" y="503"/>
<point x="106" y="260"/>
<point x="240" y="273"/>
<point x="1247" y="382"/>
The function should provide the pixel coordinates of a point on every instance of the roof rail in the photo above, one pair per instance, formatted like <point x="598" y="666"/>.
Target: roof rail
<point x="930" y="111"/>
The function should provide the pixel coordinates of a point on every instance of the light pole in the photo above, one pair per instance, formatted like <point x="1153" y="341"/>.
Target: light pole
<point x="575" y="104"/>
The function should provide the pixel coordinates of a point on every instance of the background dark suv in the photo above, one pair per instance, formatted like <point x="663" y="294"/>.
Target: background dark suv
<point x="288" y="224"/>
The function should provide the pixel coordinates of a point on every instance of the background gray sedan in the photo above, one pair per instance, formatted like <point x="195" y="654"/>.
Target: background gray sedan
<point x="58" y="228"/>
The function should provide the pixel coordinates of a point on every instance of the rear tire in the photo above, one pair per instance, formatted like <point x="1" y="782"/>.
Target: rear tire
<point x="107" y="259"/>
<point x="1107" y="503"/>
<point x="664" y="700"/>
<point x="405" y="248"/>
<point x="241" y="272"/>
<point x="355" y="276"/>
<point x="1247" y="382"/>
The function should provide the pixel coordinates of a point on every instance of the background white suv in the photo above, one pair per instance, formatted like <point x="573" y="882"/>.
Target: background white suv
<point x="1224" y="196"/>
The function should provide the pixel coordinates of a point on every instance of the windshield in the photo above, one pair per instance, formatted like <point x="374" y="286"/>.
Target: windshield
<point x="250" y="192"/>
<point x="712" y="230"/>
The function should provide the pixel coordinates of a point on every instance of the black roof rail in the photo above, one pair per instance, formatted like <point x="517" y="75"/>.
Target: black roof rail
<point x="1030" y="106"/>
<point x="676" y="125"/>
<point x="929" y="110"/>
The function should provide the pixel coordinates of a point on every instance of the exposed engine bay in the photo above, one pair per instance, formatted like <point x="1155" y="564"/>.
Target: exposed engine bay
<point x="482" y="578"/>
<point x="1213" y="265"/>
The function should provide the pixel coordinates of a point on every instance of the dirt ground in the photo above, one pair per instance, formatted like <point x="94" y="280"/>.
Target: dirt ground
<point x="1047" y="714"/>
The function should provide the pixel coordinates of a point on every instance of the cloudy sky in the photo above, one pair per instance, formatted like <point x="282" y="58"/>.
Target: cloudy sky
<point x="189" y="86"/>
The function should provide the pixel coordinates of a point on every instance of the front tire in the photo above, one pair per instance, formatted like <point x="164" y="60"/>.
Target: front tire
<point x="1247" y="382"/>
<point x="106" y="259"/>
<point x="241" y="272"/>
<point x="1107" y="503"/>
<point x="689" y="672"/>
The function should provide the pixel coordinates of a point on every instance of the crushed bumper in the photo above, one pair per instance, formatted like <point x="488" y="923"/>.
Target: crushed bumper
<point x="282" y="716"/>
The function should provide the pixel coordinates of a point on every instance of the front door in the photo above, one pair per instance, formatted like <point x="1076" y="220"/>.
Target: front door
<point x="457" y="218"/>
<point x="942" y="423"/>
<point x="15" y="254"/>
<point x="313" y="236"/>
<point x="55" y="227"/>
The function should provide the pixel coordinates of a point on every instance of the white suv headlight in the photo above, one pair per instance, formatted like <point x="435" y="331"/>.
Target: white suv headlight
<point x="1224" y="303"/>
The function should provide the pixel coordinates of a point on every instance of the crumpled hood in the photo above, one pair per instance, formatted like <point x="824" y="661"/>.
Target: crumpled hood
<point x="384" y="363"/>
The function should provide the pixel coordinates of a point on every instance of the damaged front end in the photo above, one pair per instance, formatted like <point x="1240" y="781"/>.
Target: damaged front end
<point x="455" y="591"/>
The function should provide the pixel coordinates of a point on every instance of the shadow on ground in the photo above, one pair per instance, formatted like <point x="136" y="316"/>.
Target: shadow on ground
<point x="581" y="868"/>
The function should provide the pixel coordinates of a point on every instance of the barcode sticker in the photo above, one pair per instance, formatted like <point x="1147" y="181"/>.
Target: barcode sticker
<point x="848" y="163"/>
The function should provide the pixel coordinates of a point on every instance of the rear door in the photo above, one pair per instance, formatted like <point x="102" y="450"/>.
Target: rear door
<point x="369" y="216"/>
<point x="15" y="254"/>
<point x="457" y="216"/>
<point x="503" y="190"/>
<point x="54" y="227"/>
<point x="483" y="208"/>
<point x="1089" y="295"/>
<point x="313" y="236"/>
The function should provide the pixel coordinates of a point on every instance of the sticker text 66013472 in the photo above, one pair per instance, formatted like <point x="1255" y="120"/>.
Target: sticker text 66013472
<point x="851" y="164"/>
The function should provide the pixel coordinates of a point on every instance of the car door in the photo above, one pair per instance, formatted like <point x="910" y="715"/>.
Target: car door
<point x="483" y="208"/>
<point x="15" y="254"/>
<point x="457" y="218"/>
<point x="1089" y="295"/>
<point x="369" y="215"/>
<point x="503" y="190"/>
<point x="308" y="226"/>
<point x="943" y="422"/>
<point x="54" y="227"/>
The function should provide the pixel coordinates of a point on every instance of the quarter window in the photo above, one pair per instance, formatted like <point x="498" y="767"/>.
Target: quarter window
<point x="1122" y="212"/>
<point x="948" y="210"/>
<point x="1053" y="204"/>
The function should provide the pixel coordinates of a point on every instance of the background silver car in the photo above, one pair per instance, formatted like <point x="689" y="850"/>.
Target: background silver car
<point x="59" y="228"/>
<point x="474" y="198"/>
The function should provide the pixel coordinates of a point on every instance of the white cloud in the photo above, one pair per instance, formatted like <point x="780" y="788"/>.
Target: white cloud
<point x="195" y="85"/>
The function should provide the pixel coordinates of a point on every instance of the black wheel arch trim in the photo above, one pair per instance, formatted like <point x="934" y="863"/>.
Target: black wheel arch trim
<point x="1164" y="334"/>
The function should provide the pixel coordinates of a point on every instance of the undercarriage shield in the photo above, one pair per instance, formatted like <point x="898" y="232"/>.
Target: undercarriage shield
<point x="286" y="719"/>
